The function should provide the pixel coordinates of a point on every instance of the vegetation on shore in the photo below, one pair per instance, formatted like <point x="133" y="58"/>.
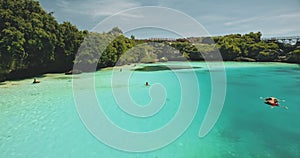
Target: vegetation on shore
<point x="32" y="42"/>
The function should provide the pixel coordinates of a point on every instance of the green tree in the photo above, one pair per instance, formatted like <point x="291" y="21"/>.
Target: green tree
<point x="32" y="41"/>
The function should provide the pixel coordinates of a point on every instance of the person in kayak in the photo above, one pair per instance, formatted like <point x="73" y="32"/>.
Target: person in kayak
<point x="272" y="101"/>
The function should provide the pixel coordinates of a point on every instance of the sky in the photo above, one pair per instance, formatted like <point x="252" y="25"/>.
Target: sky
<point x="170" y="18"/>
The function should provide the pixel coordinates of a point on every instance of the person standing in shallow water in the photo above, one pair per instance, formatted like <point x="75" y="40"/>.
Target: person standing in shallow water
<point x="147" y="84"/>
<point x="36" y="81"/>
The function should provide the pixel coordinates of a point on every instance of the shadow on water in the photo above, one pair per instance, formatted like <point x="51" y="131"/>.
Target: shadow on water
<point x="69" y="78"/>
<point x="64" y="77"/>
<point x="162" y="68"/>
<point x="290" y="70"/>
<point x="229" y="135"/>
<point x="35" y="94"/>
<point x="242" y="84"/>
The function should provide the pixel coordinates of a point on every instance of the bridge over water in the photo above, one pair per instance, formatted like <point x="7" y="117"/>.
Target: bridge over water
<point x="286" y="39"/>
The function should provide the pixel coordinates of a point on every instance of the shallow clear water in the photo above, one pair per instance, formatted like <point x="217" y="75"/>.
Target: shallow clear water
<point x="40" y="120"/>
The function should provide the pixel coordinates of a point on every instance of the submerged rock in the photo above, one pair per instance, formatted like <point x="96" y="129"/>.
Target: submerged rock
<point x="73" y="72"/>
<point x="244" y="59"/>
<point x="164" y="67"/>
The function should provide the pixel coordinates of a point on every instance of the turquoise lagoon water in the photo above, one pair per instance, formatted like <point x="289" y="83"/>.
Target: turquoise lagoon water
<point x="40" y="120"/>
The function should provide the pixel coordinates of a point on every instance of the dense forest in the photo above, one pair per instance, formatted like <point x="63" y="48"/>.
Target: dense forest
<point x="32" y="43"/>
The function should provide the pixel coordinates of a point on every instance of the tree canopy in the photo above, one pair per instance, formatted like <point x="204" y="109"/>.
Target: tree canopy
<point x="32" y="42"/>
